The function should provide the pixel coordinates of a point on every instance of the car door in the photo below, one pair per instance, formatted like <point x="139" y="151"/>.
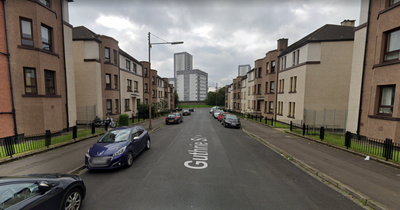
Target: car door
<point x="135" y="143"/>
<point x="142" y="140"/>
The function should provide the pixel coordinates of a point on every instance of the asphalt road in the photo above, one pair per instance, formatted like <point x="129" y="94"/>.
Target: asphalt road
<point x="234" y="172"/>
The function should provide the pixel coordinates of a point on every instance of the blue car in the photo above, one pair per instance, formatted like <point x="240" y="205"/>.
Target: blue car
<point x="117" y="148"/>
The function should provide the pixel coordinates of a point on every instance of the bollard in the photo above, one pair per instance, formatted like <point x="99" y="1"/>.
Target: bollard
<point x="321" y="133"/>
<point x="304" y="129"/>
<point x="93" y="128"/>
<point x="291" y="126"/>
<point x="74" y="132"/>
<point x="272" y="121"/>
<point x="47" y="138"/>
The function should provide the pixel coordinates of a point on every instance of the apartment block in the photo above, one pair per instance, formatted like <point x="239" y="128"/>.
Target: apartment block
<point x="131" y="74"/>
<point x="380" y="96"/>
<point x="314" y="74"/>
<point x="40" y="67"/>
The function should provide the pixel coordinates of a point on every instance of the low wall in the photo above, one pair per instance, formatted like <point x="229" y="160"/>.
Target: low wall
<point x="190" y="103"/>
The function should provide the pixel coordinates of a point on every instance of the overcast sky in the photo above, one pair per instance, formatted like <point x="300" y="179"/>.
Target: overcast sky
<point x="219" y="34"/>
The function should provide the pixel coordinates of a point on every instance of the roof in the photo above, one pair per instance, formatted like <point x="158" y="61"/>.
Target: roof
<point x="129" y="56"/>
<point x="326" y="33"/>
<point x="83" y="33"/>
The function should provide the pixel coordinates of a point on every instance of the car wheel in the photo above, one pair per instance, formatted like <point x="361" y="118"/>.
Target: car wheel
<point x="113" y="125"/>
<point x="129" y="160"/>
<point x="224" y="124"/>
<point x="167" y="123"/>
<point x="72" y="200"/>
<point x="148" y="144"/>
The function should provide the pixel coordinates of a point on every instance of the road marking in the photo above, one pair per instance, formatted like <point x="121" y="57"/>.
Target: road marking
<point x="199" y="153"/>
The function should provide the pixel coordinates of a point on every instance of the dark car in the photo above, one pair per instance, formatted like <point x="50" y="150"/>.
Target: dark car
<point x="231" y="120"/>
<point x="186" y="112"/>
<point x="42" y="191"/>
<point x="191" y="110"/>
<point x="117" y="148"/>
<point x="174" y="118"/>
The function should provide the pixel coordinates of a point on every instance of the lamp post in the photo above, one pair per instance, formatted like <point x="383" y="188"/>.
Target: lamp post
<point x="150" y="76"/>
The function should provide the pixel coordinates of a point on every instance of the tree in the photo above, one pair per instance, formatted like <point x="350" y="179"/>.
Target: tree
<point x="144" y="110"/>
<point x="220" y="98"/>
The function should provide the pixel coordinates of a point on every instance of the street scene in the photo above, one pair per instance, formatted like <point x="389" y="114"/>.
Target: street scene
<point x="197" y="164"/>
<point x="211" y="104"/>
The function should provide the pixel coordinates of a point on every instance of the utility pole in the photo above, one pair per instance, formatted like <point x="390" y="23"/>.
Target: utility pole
<point x="216" y="94"/>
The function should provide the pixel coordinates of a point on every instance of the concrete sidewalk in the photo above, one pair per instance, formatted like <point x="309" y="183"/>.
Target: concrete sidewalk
<point x="370" y="182"/>
<point x="62" y="158"/>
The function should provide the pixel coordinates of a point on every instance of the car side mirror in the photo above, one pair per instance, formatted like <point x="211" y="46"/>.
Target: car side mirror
<point x="44" y="186"/>
<point x="135" y="138"/>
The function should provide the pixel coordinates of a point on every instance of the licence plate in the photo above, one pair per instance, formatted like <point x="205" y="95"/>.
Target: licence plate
<point x="99" y="161"/>
<point x="171" y="121"/>
<point x="234" y="124"/>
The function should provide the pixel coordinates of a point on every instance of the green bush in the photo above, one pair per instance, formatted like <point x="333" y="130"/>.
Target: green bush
<point x="123" y="120"/>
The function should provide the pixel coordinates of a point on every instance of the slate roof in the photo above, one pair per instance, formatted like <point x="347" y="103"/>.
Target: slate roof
<point x="83" y="33"/>
<point x="326" y="33"/>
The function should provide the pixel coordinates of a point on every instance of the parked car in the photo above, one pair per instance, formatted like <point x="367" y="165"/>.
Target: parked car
<point x="213" y="109"/>
<point x="221" y="115"/>
<point x="42" y="191"/>
<point x="191" y="110"/>
<point x="178" y="109"/>
<point x="216" y="113"/>
<point x="174" y="118"/>
<point x="231" y="120"/>
<point x="186" y="112"/>
<point x="117" y="148"/>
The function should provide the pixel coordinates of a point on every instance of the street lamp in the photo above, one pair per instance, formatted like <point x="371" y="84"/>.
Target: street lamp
<point x="150" y="83"/>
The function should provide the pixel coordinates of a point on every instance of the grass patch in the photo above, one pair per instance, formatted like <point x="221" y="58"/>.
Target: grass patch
<point x="26" y="146"/>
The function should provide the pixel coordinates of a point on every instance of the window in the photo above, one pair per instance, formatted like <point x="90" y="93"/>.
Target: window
<point x="135" y="86"/>
<point x="386" y="102"/>
<point x="152" y="93"/>
<point x="127" y="105"/>
<point x="272" y="66"/>
<point x="267" y="67"/>
<point x="289" y="108"/>
<point x="137" y="104"/>
<point x="107" y="55"/>
<point x="293" y="108"/>
<point x="116" y="105"/>
<point x="26" y="32"/>
<point x="283" y="86"/>
<point x="115" y="81"/>
<point x="30" y="81"/>
<point x="259" y="71"/>
<point x="258" y="105"/>
<point x="294" y="58"/>
<point x="109" y="106"/>
<point x="145" y="72"/>
<point x="272" y="88"/>
<point x="128" y="65"/>
<point x="392" y="46"/>
<point x="49" y="82"/>
<point x="294" y="84"/>
<point x="298" y="57"/>
<point x="145" y="88"/>
<point x="152" y="80"/>
<point x="259" y="89"/>
<point x="108" y="81"/>
<point x="393" y="2"/>
<point x="46" y="38"/>
<point x="17" y="192"/>
<point x="291" y="84"/>
<point x="45" y="2"/>
<point x="271" y="107"/>
<point x="133" y="67"/>
<point x="146" y="101"/>
<point x="115" y="56"/>
<point x="129" y="84"/>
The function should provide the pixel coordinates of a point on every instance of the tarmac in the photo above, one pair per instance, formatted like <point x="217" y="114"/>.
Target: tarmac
<point x="373" y="183"/>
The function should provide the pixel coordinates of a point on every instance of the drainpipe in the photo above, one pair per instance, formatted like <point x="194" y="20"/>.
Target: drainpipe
<point x="363" y="71"/>
<point x="65" y="63"/>
<point x="9" y="70"/>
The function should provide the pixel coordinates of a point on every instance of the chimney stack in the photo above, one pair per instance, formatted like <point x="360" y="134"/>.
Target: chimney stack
<point x="282" y="44"/>
<point x="348" y="23"/>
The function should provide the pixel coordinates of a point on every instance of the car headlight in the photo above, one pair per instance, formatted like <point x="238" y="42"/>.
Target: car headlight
<point x="87" y="153"/>
<point x="120" y="151"/>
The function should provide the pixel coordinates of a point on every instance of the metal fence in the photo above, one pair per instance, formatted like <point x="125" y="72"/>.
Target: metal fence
<point x="12" y="145"/>
<point x="332" y="120"/>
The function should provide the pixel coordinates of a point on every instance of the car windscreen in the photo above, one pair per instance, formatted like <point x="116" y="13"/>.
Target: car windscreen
<point x="115" y="136"/>
<point x="231" y="117"/>
<point x="171" y="115"/>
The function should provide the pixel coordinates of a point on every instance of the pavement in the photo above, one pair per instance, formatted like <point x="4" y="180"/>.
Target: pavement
<point x="374" y="183"/>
